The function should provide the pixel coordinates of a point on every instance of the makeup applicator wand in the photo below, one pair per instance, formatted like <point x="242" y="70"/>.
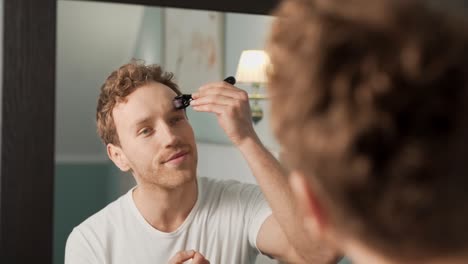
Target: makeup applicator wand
<point x="183" y="101"/>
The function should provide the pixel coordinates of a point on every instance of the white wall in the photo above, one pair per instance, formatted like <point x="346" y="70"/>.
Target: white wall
<point x="149" y="44"/>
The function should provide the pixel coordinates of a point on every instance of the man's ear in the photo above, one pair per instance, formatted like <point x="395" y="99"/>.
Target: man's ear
<point x="315" y="221"/>
<point x="116" y="154"/>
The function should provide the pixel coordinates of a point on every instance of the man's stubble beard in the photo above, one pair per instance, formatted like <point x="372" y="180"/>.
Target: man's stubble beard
<point x="171" y="178"/>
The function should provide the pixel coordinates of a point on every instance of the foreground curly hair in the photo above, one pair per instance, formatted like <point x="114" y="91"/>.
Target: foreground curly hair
<point x="118" y="86"/>
<point x="377" y="117"/>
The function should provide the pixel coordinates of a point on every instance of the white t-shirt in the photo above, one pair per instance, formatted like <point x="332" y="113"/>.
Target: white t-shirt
<point x="223" y="226"/>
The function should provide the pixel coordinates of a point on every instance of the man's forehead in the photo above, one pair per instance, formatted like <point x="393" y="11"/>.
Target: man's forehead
<point x="159" y="88"/>
<point x="155" y="98"/>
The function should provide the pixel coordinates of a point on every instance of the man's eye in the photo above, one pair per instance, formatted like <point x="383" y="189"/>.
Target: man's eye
<point x="145" y="131"/>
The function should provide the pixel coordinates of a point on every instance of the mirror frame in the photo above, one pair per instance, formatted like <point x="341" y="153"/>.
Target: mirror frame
<point x="28" y="120"/>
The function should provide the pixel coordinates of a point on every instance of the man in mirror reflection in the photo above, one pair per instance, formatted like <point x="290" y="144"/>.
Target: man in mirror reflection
<point x="376" y="128"/>
<point x="171" y="215"/>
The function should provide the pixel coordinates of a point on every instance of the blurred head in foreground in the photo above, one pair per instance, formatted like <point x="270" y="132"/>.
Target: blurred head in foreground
<point x="376" y="127"/>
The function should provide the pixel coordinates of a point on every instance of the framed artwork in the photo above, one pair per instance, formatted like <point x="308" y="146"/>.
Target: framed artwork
<point x="193" y="46"/>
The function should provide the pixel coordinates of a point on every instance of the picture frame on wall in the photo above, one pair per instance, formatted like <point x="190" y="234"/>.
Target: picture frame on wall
<point x="193" y="46"/>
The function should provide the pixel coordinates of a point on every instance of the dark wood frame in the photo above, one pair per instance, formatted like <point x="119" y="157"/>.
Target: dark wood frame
<point x="28" y="117"/>
<point x="239" y="6"/>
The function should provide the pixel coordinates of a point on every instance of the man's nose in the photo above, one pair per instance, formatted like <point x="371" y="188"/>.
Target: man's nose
<point x="169" y="135"/>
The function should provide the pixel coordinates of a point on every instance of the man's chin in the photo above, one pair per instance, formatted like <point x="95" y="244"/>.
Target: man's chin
<point x="175" y="180"/>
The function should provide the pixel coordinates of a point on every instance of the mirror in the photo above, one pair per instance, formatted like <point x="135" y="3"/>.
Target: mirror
<point x="94" y="38"/>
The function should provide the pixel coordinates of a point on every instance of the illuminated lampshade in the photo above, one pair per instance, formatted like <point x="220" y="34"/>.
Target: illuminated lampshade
<point x="252" y="67"/>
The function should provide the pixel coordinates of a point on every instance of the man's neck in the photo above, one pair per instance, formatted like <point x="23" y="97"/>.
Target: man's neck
<point x="166" y="209"/>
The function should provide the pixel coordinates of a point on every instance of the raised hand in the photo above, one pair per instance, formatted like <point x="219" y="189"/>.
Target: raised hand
<point x="231" y="106"/>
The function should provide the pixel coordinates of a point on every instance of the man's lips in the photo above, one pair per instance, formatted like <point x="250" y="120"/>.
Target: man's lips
<point x="176" y="155"/>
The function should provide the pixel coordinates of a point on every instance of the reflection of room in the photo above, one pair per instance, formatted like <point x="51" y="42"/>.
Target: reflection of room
<point x="92" y="39"/>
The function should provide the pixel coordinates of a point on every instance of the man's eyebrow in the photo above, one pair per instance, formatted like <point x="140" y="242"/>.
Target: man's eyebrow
<point x="141" y="121"/>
